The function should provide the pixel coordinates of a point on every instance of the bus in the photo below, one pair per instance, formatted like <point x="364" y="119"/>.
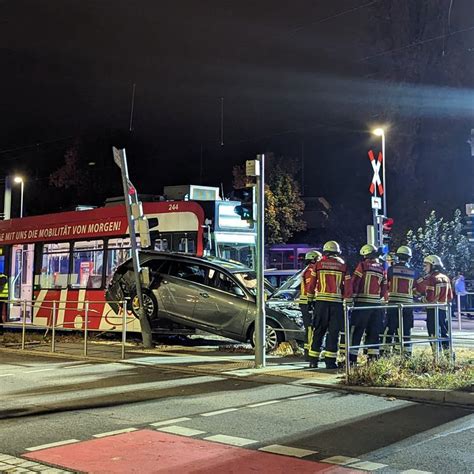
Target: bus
<point x="70" y="257"/>
<point x="287" y="256"/>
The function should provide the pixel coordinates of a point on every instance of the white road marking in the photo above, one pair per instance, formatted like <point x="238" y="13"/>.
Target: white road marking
<point x="261" y="404"/>
<point x="287" y="451"/>
<point x="111" y="433"/>
<point x="37" y="370"/>
<point x="219" y="412"/>
<point x="6" y="375"/>
<point x="179" y="430"/>
<point x="368" y="466"/>
<point x="415" y="471"/>
<point x="170" y="422"/>
<point x="52" y="445"/>
<point x="232" y="440"/>
<point x="300" y="397"/>
<point x="341" y="460"/>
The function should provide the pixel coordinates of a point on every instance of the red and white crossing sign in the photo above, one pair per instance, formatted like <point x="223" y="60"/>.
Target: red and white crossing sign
<point x="376" y="181"/>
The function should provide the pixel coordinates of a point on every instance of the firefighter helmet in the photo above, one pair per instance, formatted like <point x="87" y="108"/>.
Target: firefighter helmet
<point x="433" y="260"/>
<point x="312" y="255"/>
<point x="405" y="250"/>
<point x="331" y="246"/>
<point x="368" y="249"/>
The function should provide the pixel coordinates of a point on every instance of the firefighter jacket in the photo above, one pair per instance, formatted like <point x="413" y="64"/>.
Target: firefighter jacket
<point x="369" y="282"/>
<point x="332" y="283"/>
<point x="402" y="282"/>
<point x="435" y="288"/>
<point x="307" y="286"/>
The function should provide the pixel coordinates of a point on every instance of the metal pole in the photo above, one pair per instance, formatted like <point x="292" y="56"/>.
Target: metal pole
<point x="346" y="339"/>
<point x="53" y="329"/>
<point x="23" y="326"/>
<point x="21" y="198"/>
<point x="459" y="311"/>
<point x="124" y="327"/>
<point x="86" y="326"/>
<point x="436" y="321"/>
<point x="384" y="183"/>
<point x="450" y="333"/>
<point x="400" y="328"/>
<point x="260" y="323"/>
<point x="7" y="198"/>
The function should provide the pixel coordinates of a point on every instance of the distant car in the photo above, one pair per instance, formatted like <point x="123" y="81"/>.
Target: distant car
<point x="210" y="294"/>
<point x="277" y="277"/>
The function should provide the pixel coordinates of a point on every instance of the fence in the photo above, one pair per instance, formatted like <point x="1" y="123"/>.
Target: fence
<point x="52" y="325"/>
<point x="401" y="340"/>
<point x="459" y="310"/>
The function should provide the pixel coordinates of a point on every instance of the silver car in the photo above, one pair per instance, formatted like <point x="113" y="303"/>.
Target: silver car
<point x="210" y="294"/>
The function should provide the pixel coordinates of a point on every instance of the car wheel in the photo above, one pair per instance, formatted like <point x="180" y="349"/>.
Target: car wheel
<point x="149" y="302"/>
<point x="273" y="337"/>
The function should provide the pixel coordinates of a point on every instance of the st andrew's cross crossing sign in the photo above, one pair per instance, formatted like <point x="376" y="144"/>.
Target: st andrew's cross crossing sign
<point x="376" y="163"/>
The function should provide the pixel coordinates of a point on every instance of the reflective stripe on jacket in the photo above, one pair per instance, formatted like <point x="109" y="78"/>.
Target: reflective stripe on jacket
<point x="369" y="282"/>
<point x="332" y="283"/>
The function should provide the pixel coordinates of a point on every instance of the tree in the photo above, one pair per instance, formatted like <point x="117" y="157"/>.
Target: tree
<point x="443" y="238"/>
<point x="283" y="204"/>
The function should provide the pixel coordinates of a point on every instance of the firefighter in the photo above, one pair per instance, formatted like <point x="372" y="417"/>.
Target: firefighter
<point x="331" y="288"/>
<point x="402" y="278"/>
<point x="306" y="299"/>
<point x="369" y="287"/>
<point x="435" y="287"/>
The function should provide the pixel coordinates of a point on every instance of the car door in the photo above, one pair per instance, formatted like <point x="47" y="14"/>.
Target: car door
<point x="222" y="304"/>
<point x="178" y="289"/>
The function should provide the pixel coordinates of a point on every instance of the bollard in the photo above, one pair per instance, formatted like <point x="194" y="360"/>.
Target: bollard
<point x="53" y="329"/>
<point x="436" y="330"/>
<point x="124" y="327"/>
<point x="346" y="339"/>
<point x="23" y="325"/>
<point x="450" y="333"/>
<point x="459" y="312"/>
<point x="400" y="329"/>
<point x="86" y="325"/>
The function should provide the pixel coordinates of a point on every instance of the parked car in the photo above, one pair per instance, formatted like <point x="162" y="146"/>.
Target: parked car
<point x="207" y="293"/>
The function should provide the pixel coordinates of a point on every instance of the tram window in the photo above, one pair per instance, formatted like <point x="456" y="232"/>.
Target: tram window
<point x="87" y="264"/>
<point x="118" y="251"/>
<point x="54" y="266"/>
<point x="184" y="242"/>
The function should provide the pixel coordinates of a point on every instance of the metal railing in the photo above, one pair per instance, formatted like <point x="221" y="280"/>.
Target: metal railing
<point x="52" y="323"/>
<point x="459" y="311"/>
<point x="434" y="341"/>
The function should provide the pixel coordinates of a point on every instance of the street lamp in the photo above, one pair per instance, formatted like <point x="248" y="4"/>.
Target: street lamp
<point x="19" y="180"/>
<point x="380" y="132"/>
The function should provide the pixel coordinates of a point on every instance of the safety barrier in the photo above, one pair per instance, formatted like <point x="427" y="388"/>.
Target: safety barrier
<point x="459" y="311"/>
<point x="401" y="342"/>
<point x="52" y="324"/>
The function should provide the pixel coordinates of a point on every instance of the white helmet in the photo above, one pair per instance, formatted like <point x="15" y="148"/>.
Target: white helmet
<point x="433" y="260"/>
<point x="405" y="250"/>
<point x="367" y="249"/>
<point x="332" y="246"/>
<point x="312" y="255"/>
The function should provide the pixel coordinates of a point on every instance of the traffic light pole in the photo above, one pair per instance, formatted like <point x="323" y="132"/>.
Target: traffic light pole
<point x="260" y="319"/>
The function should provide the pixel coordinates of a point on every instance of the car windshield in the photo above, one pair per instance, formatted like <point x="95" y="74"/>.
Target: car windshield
<point x="249" y="280"/>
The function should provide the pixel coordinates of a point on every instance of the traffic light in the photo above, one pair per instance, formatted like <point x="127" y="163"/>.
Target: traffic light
<point x="246" y="198"/>
<point x="387" y="223"/>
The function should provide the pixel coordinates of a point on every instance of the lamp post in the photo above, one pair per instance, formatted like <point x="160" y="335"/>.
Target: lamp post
<point x="380" y="132"/>
<point x="19" y="180"/>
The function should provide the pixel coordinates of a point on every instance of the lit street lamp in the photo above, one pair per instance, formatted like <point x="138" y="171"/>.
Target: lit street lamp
<point x="380" y="132"/>
<point x="19" y="179"/>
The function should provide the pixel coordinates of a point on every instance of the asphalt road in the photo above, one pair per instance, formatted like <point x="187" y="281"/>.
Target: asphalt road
<point x="50" y="400"/>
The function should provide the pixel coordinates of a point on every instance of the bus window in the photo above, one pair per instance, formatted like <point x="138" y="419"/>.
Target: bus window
<point x="118" y="251"/>
<point x="87" y="264"/>
<point x="54" y="266"/>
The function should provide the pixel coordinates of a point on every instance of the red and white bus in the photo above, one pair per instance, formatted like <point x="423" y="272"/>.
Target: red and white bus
<point x="70" y="257"/>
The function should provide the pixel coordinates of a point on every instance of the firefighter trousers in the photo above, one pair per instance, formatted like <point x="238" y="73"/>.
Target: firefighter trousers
<point x="307" y="313"/>
<point x="329" y="318"/>
<point x="443" y="326"/>
<point x="370" y="322"/>
<point x="392" y="331"/>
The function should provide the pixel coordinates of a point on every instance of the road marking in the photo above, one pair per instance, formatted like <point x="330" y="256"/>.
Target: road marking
<point x="52" y="445"/>
<point x="170" y="422"/>
<point x="415" y="471"/>
<point x="341" y="460"/>
<point x="180" y="430"/>
<point x="368" y="466"/>
<point x="111" y="433"/>
<point x="36" y="370"/>
<point x="77" y="366"/>
<point x="6" y="375"/>
<point x="261" y="404"/>
<point x="287" y="451"/>
<point x="232" y="440"/>
<point x="219" y="412"/>
<point x="300" y="397"/>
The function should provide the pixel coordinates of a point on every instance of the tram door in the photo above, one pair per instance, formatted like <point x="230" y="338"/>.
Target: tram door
<point x="21" y="280"/>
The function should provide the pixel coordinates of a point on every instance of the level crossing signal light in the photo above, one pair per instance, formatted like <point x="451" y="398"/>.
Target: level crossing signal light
<point x="387" y="223"/>
<point x="246" y="208"/>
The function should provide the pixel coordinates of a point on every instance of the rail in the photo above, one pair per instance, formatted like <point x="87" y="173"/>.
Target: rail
<point x="401" y="338"/>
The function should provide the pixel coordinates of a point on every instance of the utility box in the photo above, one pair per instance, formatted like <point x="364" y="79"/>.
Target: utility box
<point x="191" y="192"/>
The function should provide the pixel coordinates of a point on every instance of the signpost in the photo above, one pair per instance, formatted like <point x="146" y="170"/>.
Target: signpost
<point x="376" y="202"/>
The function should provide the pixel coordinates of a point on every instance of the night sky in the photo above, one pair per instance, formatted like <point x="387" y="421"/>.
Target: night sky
<point x="302" y="79"/>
